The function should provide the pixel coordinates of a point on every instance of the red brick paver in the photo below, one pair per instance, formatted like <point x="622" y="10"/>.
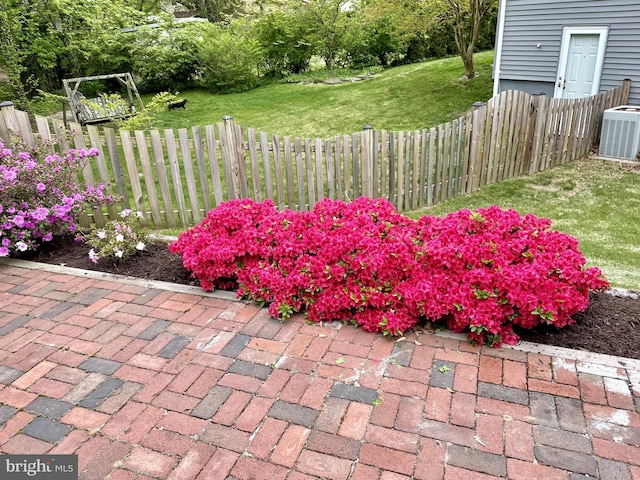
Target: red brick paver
<point x="146" y="383"/>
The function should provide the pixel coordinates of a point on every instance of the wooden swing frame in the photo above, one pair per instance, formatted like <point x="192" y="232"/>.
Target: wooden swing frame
<point x="81" y="107"/>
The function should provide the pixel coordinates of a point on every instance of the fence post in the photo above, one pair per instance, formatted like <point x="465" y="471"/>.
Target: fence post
<point x="626" y="87"/>
<point x="367" y="162"/>
<point x="8" y="121"/>
<point x="529" y="134"/>
<point x="240" y="161"/>
<point x="231" y="155"/>
<point x="4" y="131"/>
<point x="475" y="145"/>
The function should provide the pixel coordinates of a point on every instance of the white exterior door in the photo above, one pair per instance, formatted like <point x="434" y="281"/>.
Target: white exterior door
<point x="581" y="60"/>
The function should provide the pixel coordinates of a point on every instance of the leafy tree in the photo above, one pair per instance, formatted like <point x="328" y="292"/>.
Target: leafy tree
<point x="285" y="41"/>
<point x="167" y="57"/>
<point x="45" y="41"/>
<point x="329" y="24"/>
<point x="406" y="30"/>
<point x="12" y="56"/>
<point x="371" y="41"/>
<point x="216" y="10"/>
<point x="432" y="27"/>
<point x="148" y="5"/>
<point x="230" y="57"/>
<point x="466" y="17"/>
<point x="401" y="20"/>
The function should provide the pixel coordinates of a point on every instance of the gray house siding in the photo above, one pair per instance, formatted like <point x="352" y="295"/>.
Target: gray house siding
<point x="545" y="88"/>
<point x="532" y="37"/>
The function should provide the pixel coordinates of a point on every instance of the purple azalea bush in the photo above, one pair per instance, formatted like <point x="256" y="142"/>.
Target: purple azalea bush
<point x="40" y="196"/>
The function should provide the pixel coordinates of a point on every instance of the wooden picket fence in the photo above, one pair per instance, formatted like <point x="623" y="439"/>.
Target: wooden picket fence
<point x="175" y="177"/>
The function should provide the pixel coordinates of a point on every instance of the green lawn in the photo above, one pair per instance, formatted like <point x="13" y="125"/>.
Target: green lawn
<point x="401" y="98"/>
<point x="597" y="202"/>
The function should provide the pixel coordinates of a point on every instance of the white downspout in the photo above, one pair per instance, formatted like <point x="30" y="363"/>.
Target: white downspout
<point x="497" y="61"/>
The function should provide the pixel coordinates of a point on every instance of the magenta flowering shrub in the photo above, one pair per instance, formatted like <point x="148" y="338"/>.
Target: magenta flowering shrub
<point x="485" y="271"/>
<point x="226" y="240"/>
<point x="340" y="262"/>
<point x="481" y="272"/>
<point x="40" y="196"/>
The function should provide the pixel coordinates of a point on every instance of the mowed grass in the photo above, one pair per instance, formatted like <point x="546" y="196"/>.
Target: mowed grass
<point x="402" y="98"/>
<point x="598" y="202"/>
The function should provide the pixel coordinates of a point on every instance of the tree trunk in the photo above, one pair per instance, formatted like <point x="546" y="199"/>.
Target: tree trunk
<point x="467" y="60"/>
<point x="466" y="32"/>
<point x="330" y="57"/>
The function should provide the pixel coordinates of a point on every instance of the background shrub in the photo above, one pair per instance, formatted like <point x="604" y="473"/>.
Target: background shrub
<point x="168" y="57"/>
<point x="230" y="57"/>
<point x="285" y="43"/>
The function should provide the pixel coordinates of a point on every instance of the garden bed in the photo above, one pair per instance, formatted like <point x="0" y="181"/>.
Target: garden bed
<point x="611" y="324"/>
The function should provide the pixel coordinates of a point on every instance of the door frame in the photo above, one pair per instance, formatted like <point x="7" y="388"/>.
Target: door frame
<point x="567" y="32"/>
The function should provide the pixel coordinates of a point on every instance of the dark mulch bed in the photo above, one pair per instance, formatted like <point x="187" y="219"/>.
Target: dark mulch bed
<point x="610" y="325"/>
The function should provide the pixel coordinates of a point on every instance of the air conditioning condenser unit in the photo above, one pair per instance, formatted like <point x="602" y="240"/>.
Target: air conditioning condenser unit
<point x="620" y="136"/>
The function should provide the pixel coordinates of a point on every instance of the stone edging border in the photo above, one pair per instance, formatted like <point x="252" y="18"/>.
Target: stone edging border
<point x="142" y="282"/>
<point x="528" y="347"/>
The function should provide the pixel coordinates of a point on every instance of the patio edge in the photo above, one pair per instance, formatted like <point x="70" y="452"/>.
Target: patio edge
<point x="527" y="347"/>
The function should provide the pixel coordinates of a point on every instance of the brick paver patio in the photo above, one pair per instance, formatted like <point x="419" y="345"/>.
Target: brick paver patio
<point x="144" y="382"/>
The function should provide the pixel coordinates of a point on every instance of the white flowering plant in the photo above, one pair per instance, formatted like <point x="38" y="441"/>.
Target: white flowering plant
<point x="118" y="239"/>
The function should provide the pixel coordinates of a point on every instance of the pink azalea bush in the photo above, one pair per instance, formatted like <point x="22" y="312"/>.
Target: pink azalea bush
<point x="481" y="272"/>
<point x="40" y="196"/>
<point x="488" y="270"/>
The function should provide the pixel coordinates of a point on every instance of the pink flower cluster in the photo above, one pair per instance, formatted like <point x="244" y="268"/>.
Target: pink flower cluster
<point x="488" y="270"/>
<point x="40" y="195"/>
<point x="478" y="272"/>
